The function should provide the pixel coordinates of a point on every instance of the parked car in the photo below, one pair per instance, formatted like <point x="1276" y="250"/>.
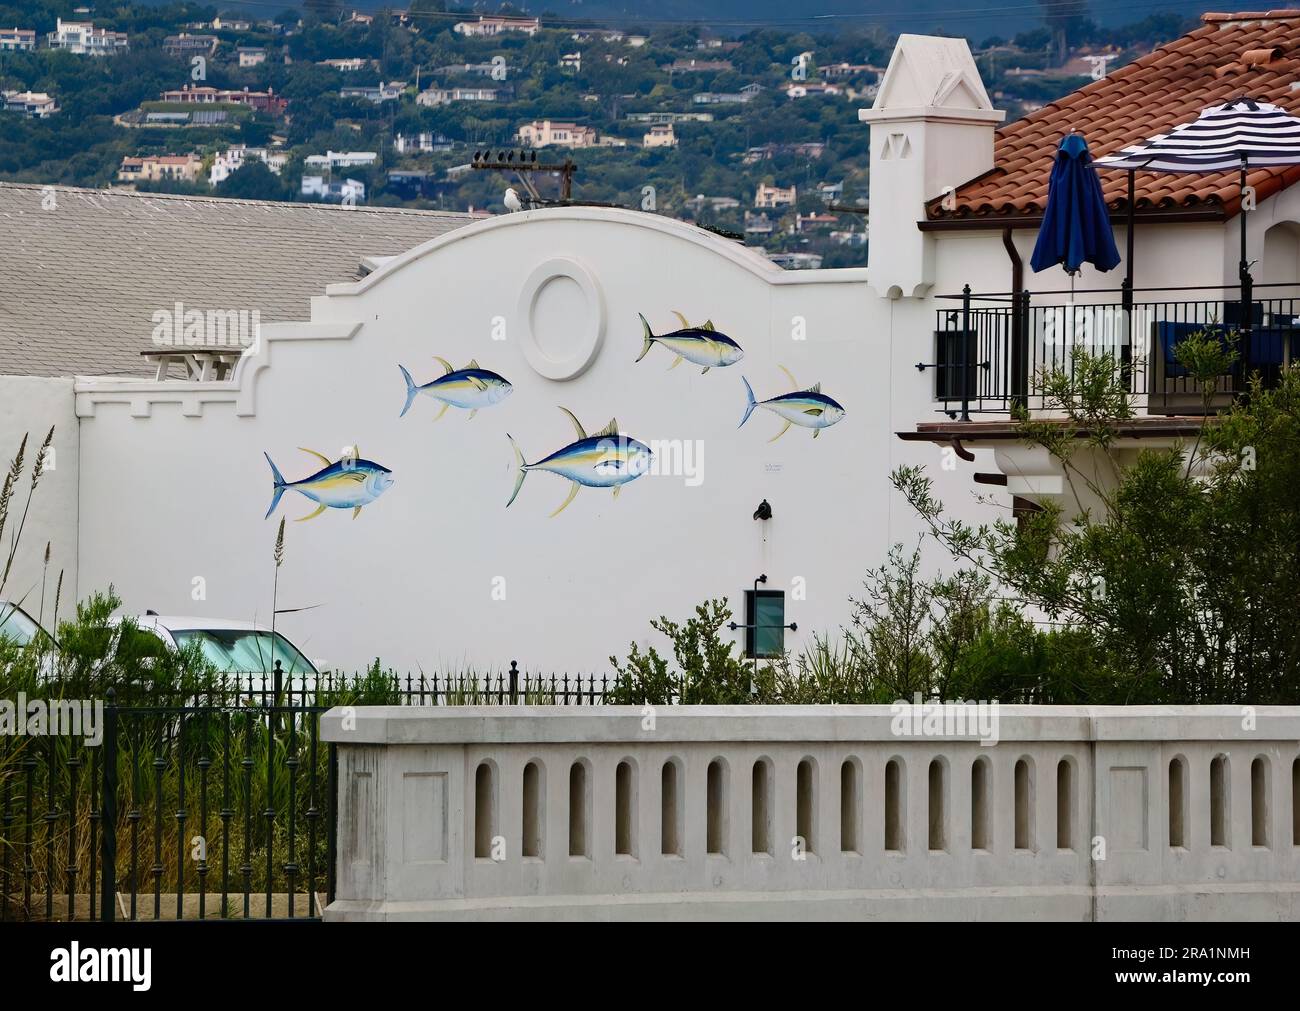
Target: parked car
<point x="17" y="625"/>
<point x="244" y="649"/>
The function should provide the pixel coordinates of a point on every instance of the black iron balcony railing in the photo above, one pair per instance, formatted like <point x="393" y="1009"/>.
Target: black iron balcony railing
<point x="991" y="352"/>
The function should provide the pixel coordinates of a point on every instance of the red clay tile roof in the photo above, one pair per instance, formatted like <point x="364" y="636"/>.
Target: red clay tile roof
<point x="1230" y="55"/>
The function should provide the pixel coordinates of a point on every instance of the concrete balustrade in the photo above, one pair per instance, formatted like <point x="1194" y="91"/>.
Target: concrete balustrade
<point x="797" y="812"/>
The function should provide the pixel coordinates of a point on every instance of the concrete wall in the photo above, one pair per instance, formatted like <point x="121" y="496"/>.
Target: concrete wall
<point x="418" y="577"/>
<point x="434" y="815"/>
<point x="29" y="406"/>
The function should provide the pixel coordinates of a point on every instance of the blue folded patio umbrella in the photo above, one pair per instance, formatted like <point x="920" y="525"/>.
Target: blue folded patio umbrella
<point x="1076" y="224"/>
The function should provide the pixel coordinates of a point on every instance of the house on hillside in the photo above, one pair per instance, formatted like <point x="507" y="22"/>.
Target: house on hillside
<point x="660" y="136"/>
<point x="377" y="93"/>
<point x="263" y="101"/>
<point x="84" y="39"/>
<point x="746" y="94"/>
<point x="694" y="66"/>
<point x="555" y="134"/>
<point x="185" y="44"/>
<point x="331" y="160"/>
<point x="161" y="168"/>
<point x="775" y="196"/>
<point x="346" y="65"/>
<point x="344" y="191"/>
<point x="807" y="89"/>
<point x="435" y="95"/>
<point x="17" y="40"/>
<point x="421" y="143"/>
<point x="32" y="104"/>
<point x="226" y="163"/>
<point x="489" y="25"/>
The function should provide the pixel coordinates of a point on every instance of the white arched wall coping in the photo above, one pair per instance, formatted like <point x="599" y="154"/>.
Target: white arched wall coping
<point x="742" y="256"/>
<point x="240" y="390"/>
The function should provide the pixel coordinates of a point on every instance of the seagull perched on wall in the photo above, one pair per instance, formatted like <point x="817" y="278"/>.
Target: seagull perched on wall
<point x="512" y="201"/>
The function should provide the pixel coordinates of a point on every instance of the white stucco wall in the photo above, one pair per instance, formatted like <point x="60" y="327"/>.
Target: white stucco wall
<point x="30" y="405"/>
<point x="174" y="485"/>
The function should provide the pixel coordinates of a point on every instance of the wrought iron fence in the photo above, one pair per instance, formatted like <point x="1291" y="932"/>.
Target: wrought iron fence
<point x="993" y="352"/>
<point x="513" y="687"/>
<point x="217" y="806"/>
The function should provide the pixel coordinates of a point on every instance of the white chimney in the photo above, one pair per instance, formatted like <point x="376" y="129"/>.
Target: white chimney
<point x="931" y="131"/>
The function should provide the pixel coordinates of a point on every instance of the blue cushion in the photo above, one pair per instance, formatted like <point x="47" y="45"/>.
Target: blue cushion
<point x="1267" y="344"/>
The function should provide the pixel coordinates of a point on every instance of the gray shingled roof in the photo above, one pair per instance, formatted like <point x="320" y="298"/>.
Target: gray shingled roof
<point x="80" y="282"/>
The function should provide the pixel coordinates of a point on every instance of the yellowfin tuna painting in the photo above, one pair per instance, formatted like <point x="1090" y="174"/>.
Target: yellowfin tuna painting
<point x="606" y="459"/>
<point x="471" y="388"/>
<point x="347" y="483"/>
<point x="809" y="408"/>
<point x="700" y="345"/>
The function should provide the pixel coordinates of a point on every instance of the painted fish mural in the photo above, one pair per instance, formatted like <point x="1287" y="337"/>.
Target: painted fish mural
<point x="472" y="387"/>
<point x="347" y="483"/>
<point x="809" y="408"/>
<point x="604" y="459"/>
<point x="700" y="345"/>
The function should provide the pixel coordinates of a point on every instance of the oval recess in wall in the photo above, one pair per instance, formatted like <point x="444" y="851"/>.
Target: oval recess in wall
<point x="563" y="314"/>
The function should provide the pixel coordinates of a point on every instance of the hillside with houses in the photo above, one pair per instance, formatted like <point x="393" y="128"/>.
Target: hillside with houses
<point x="754" y="134"/>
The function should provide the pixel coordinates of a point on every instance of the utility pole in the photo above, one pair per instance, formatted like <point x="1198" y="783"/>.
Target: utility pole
<point x="523" y="164"/>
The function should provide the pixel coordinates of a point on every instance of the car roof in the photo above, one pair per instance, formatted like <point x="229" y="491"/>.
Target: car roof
<point x="186" y="623"/>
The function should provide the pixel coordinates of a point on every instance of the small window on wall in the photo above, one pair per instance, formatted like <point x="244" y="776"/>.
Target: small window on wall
<point x="765" y="623"/>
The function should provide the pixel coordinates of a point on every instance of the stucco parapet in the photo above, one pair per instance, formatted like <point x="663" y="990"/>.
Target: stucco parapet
<point x="731" y="724"/>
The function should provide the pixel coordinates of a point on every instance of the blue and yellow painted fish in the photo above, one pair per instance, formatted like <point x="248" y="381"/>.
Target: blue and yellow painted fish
<point x="347" y="483"/>
<point x="605" y="459"/>
<point x="809" y="408"/>
<point x="700" y="345"/>
<point x="472" y="387"/>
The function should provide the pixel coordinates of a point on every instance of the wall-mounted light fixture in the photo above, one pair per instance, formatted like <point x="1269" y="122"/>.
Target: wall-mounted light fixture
<point x="753" y="628"/>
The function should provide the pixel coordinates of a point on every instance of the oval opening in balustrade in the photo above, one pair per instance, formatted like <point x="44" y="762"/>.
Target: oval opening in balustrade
<point x="761" y="807"/>
<point x="534" y="810"/>
<point x="485" y="810"/>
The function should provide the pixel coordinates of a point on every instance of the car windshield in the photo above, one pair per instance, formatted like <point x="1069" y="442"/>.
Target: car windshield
<point x="15" y="625"/>
<point x="245" y="650"/>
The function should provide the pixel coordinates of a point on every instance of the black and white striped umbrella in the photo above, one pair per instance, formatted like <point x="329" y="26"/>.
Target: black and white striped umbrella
<point x="1237" y="134"/>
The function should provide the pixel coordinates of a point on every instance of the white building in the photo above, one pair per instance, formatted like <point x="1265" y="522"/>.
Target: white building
<point x="346" y="65"/>
<point x="445" y="96"/>
<point x="346" y="191"/>
<point x="421" y="143"/>
<point x="340" y="159"/>
<point x="186" y="44"/>
<point x="812" y="88"/>
<point x="32" y="104"/>
<point x="17" y="40"/>
<point x="488" y="25"/>
<point x="226" y="163"/>
<point x="438" y="572"/>
<point x="382" y="92"/>
<point x="745" y="95"/>
<point x="251" y="56"/>
<point x="83" y="38"/>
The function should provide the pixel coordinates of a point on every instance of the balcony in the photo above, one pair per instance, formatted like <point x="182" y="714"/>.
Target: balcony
<point x="991" y="352"/>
